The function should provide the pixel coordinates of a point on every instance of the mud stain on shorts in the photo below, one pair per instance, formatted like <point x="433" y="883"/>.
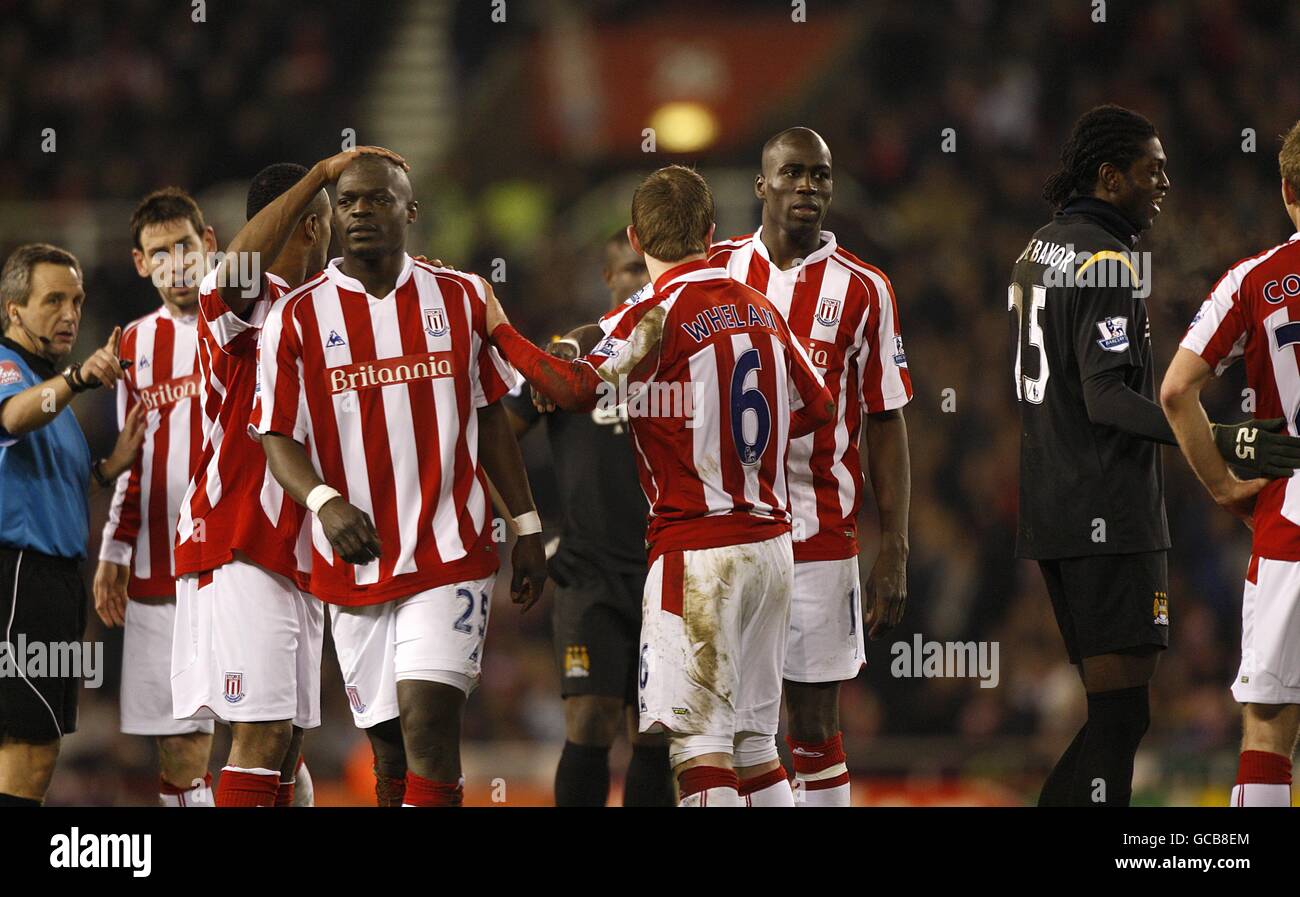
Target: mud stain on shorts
<point x="710" y="582"/>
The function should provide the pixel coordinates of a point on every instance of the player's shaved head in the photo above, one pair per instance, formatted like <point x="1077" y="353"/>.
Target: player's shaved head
<point x="800" y="137"/>
<point x="795" y="187"/>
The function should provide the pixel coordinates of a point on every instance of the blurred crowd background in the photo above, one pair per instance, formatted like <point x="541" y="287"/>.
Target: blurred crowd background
<point x="524" y="123"/>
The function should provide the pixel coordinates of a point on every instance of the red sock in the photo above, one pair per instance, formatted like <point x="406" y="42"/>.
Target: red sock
<point x="421" y="792"/>
<point x="700" y="779"/>
<point x="1263" y="768"/>
<point x="811" y="758"/>
<point x="390" y="791"/>
<point x="247" y="787"/>
<point x="284" y="794"/>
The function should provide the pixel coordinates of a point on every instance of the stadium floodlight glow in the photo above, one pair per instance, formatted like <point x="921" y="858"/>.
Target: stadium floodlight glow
<point x="684" y="126"/>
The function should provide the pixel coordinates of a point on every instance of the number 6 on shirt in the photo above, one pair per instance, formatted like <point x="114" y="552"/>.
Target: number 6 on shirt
<point x="749" y="399"/>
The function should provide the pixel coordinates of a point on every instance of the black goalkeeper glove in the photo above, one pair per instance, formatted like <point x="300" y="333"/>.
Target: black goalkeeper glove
<point x="1259" y="446"/>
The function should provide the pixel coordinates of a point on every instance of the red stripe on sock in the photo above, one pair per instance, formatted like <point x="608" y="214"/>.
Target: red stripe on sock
<point x="246" y="789"/>
<point x="766" y="780"/>
<point x="670" y="598"/>
<point x="824" y="784"/>
<point x="422" y="792"/>
<point x="812" y="757"/>
<point x="702" y="778"/>
<point x="1263" y="768"/>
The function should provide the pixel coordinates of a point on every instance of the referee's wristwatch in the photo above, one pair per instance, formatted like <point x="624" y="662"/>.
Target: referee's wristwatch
<point x="72" y="374"/>
<point x="97" y="471"/>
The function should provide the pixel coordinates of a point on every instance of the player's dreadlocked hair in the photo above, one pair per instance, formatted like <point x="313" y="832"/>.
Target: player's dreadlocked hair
<point x="1105" y="134"/>
<point x="269" y="183"/>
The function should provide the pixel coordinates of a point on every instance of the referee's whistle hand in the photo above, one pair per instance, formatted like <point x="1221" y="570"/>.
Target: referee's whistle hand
<point x="110" y="592"/>
<point x="350" y="530"/>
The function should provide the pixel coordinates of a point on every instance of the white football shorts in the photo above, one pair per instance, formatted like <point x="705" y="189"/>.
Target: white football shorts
<point x="826" y="642"/>
<point x="1270" y="635"/>
<point x="435" y="636"/>
<point x="146" y="691"/>
<point x="247" y="647"/>
<point x="713" y="637"/>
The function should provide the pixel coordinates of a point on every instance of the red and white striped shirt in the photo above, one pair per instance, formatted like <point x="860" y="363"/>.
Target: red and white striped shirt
<point x="722" y="376"/>
<point x="233" y="504"/>
<point x="385" y="393"/>
<point x="142" y="517"/>
<point x="844" y="314"/>
<point x="1253" y="312"/>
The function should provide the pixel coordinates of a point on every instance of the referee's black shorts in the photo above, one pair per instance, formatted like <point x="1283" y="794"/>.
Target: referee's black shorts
<point x="1110" y="603"/>
<point x="42" y="600"/>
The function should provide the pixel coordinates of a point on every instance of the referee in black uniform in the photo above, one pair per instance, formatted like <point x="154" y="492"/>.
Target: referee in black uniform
<point x="1091" y="485"/>
<point x="45" y="468"/>
<point x="599" y="572"/>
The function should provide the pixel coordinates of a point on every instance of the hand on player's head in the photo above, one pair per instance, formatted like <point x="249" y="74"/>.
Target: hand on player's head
<point x="334" y="166"/>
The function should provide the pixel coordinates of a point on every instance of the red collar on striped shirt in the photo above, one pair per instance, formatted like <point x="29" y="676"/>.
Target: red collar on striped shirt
<point x="684" y="268"/>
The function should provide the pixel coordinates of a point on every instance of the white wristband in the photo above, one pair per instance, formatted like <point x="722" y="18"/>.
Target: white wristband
<point x="528" y="524"/>
<point x="317" y="497"/>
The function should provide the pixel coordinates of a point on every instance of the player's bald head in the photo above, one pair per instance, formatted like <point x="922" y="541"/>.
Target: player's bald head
<point x="805" y="141"/>
<point x="369" y="172"/>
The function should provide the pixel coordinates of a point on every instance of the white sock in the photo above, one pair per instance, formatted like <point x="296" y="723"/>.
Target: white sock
<point x="713" y="797"/>
<point x="1260" y="795"/>
<point x="778" y="795"/>
<point x="807" y="794"/>
<point x="198" y="795"/>
<point x="304" y="794"/>
<point x="771" y="789"/>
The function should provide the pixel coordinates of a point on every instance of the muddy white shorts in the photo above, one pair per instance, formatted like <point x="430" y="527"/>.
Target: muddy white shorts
<point x="435" y="636"/>
<point x="1270" y="634"/>
<point x="713" y="637"/>
<point x="825" y="642"/>
<point x="146" y="693"/>
<point x="247" y="647"/>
